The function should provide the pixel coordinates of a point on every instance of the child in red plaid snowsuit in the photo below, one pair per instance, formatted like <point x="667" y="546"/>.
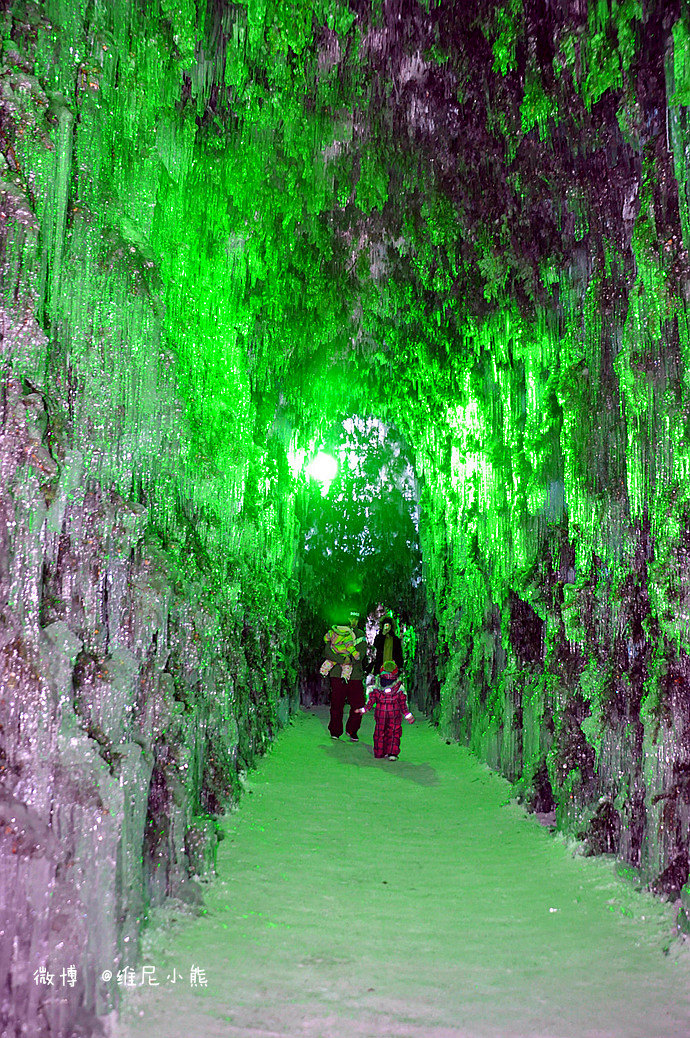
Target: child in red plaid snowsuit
<point x="387" y="695"/>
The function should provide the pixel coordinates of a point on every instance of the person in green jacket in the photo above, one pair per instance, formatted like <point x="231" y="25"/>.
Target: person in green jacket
<point x="345" y="662"/>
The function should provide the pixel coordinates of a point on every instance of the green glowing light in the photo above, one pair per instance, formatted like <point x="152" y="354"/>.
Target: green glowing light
<point x="323" y="468"/>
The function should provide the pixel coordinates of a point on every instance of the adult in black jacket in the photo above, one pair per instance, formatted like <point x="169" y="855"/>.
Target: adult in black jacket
<point x="387" y="646"/>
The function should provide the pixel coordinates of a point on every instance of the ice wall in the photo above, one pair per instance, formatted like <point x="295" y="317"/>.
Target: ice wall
<point x="555" y="507"/>
<point x="147" y="596"/>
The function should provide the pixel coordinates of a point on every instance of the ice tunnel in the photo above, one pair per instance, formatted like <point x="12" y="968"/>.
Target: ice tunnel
<point x="445" y="244"/>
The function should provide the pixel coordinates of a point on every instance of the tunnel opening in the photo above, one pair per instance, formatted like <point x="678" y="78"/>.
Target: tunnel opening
<point x="360" y="547"/>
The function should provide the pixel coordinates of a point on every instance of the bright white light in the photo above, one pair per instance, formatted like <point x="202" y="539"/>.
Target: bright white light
<point x="296" y="460"/>
<point x="323" y="468"/>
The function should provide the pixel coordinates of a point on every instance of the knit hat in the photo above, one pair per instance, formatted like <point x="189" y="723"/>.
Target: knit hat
<point x="389" y="674"/>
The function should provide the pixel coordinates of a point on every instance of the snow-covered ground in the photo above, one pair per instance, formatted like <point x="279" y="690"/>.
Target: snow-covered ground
<point x="407" y="899"/>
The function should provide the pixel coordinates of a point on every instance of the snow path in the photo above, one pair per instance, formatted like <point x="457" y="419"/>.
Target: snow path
<point x="359" y="898"/>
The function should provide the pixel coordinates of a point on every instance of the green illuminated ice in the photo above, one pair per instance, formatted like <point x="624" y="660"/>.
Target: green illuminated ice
<point x="449" y="250"/>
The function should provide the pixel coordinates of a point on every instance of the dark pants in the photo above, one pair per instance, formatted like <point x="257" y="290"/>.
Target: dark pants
<point x="387" y="733"/>
<point x="343" y="692"/>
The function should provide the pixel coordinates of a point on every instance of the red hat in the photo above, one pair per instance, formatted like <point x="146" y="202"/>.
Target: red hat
<point x="388" y="673"/>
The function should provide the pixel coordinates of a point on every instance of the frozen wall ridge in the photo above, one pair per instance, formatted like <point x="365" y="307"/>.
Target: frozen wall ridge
<point x="107" y="681"/>
<point x="127" y="705"/>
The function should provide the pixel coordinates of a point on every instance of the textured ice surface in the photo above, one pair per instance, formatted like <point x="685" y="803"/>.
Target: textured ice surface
<point x="223" y="231"/>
